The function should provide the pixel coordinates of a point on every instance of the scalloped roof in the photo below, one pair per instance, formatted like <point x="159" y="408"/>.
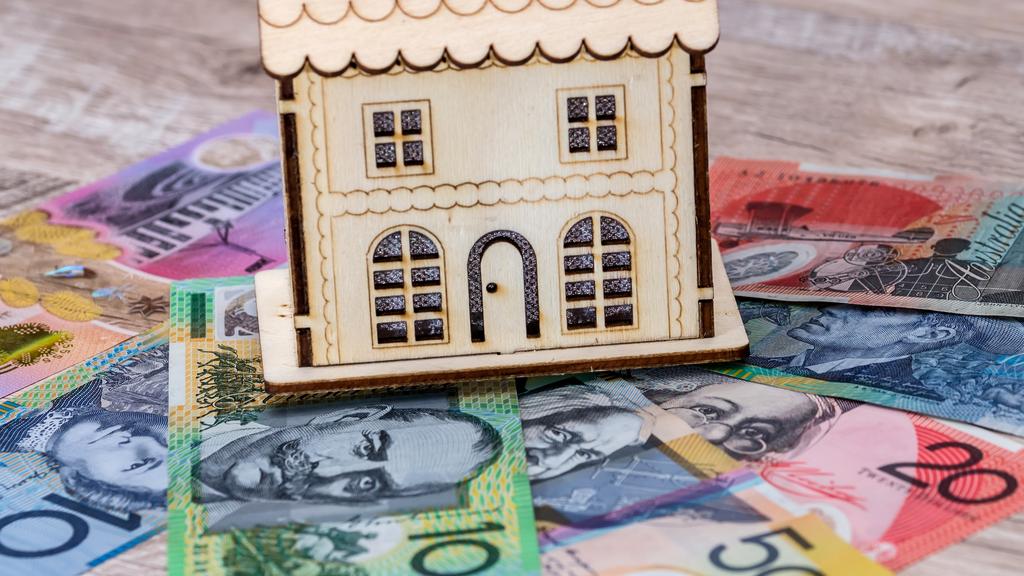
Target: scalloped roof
<point x="333" y="34"/>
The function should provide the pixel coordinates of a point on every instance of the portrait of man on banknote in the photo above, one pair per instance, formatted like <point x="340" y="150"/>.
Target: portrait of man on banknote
<point x="107" y="439"/>
<point x="353" y="459"/>
<point x="751" y="422"/>
<point x="566" y="427"/>
<point x="876" y="346"/>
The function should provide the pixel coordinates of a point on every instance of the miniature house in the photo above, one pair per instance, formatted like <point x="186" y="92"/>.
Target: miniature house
<point x="491" y="187"/>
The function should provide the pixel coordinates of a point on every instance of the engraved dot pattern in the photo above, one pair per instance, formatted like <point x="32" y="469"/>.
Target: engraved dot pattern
<point x="406" y="268"/>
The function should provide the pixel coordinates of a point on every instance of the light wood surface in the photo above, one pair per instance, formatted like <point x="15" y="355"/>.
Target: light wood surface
<point x="927" y="86"/>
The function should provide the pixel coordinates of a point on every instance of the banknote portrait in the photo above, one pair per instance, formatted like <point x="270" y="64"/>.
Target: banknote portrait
<point x="749" y="421"/>
<point x="877" y="346"/>
<point x="341" y="460"/>
<point x="107" y="439"/>
<point x="569" y="426"/>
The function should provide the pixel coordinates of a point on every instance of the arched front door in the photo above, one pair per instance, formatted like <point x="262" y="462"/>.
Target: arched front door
<point x="503" y="287"/>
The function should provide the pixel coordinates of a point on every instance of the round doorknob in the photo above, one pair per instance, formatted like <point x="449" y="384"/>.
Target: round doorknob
<point x="492" y="287"/>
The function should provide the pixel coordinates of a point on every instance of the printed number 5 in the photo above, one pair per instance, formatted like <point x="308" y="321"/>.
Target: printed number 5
<point x="771" y="554"/>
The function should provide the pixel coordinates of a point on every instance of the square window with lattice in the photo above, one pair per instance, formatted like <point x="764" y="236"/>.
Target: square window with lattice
<point x="397" y="139"/>
<point x="591" y="124"/>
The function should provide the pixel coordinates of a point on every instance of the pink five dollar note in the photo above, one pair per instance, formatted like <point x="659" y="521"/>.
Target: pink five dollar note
<point x="804" y="233"/>
<point x="897" y="485"/>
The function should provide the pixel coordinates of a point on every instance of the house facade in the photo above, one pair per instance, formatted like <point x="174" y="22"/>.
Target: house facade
<point x="473" y="177"/>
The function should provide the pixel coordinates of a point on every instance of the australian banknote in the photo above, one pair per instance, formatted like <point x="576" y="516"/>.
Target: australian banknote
<point x="83" y="475"/>
<point x="805" y="233"/>
<point x="84" y="270"/>
<point x="596" y="449"/>
<point x="734" y="531"/>
<point x="415" y="482"/>
<point x="898" y="486"/>
<point x="607" y="463"/>
<point x="967" y="368"/>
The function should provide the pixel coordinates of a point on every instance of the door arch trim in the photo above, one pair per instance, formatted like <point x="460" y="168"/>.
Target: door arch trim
<point x="531" y="301"/>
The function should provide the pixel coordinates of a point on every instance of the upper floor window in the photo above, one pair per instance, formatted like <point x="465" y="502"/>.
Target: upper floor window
<point x="398" y="138"/>
<point x="407" y="296"/>
<point x="591" y="124"/>
<point x="597" y="274"/>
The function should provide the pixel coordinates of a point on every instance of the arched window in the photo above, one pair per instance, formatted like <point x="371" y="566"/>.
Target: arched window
<point x="597" y="275"/>
<point x="407" y="288"/>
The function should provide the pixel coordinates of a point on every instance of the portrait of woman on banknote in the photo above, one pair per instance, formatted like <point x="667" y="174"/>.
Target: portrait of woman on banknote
<point x="749" y="421"/>
<point x="107" y="438"/>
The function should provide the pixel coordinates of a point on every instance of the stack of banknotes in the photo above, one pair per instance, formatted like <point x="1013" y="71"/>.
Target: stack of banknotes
<point x="872" y="425"/>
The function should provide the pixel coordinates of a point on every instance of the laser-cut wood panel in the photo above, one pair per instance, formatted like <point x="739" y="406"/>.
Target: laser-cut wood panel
<point x="528" y="204"/>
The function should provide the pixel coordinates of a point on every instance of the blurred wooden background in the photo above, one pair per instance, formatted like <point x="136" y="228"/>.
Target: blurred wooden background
<point x="922" y="86"/>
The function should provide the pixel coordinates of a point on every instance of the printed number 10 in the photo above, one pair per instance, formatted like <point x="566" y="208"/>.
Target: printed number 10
<point x="419" y="561"/>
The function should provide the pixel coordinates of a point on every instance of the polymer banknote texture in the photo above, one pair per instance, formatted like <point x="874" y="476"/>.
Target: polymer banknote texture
<point x="966" y="368"/>
<point x="897" y="485"/>
<point x="84" y="270"/>
<point x="398" y="482"/>
<point x="608" y="465"/>
<point x="83" y="475"/>
<point x="805" y="233"/>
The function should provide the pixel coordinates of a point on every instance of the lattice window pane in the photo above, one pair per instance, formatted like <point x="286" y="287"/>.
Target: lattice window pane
<point x="429" y="302"/>
<point x="582" y="290"/>
<point x="412" y="122"/>
<point x="385" y="279"/>
<point x="391" y="332"/>
<point x="604" y="107"/>
<point x="430" y="329"/>
<point x="385" y="155"/>
<point x="412" y="153"/>
<point x="579" y="140"/>
<point x="607" y="138"/>
<point x="428" y="276"/>
<point x="383" y="124"/>
<point x="577" y="318"/>
<point x="618" y="315"/>
<point x="389" y="249"/>
<point x="581" y="234"/>
<point x="579" y="109"/>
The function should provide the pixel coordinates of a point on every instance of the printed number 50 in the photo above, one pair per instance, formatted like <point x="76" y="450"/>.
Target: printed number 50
<point x="771" y="554"/>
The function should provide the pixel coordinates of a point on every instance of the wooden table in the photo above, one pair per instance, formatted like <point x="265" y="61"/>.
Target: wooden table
<point x="925" y="86"/>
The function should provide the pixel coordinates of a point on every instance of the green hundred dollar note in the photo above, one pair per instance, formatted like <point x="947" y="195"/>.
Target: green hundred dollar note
<point x="428" y="482"/>
<point x="82" y="462"/>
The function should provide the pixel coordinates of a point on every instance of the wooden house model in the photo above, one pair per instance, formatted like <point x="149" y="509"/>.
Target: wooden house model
<point x="491" y="187"/>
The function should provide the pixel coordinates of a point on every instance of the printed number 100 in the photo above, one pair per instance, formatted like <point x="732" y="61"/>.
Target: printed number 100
<point x="419" y="560"/>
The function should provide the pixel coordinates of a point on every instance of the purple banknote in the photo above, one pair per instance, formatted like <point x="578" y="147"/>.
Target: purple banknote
<point x="83" y="271"/>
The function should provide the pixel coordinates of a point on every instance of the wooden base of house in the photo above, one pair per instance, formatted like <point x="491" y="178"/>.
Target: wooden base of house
<point x="283" y="374"/>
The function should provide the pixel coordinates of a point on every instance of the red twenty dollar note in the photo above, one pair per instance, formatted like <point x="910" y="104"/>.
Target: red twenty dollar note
<point x="797" y="232"/>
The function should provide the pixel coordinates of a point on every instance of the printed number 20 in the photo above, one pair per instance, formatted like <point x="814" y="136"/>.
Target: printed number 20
<point x="974" y="456"/>
<point x="771" y="554"/>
